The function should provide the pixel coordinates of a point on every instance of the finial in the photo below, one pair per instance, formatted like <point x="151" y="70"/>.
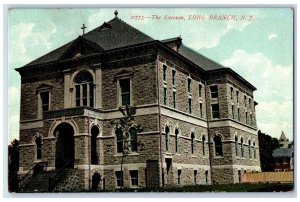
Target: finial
<point x="83" y="28"/>
<point x="116" y="13"/>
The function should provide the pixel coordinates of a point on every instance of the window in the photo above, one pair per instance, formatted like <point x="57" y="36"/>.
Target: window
<point x="174" y="99"/>
<point x="165" y="96"/>
<point x="237" y="96"/>
<point x="250" y="119"/>
<point x="238" y="114"/>
<point x="239" y="176"/>
<point x="249" y="102"/>
<point x="215" y="111"/>
<point x="203" y="145"/>
<point x="177" y="140"/>
<point x="38" y="147"/>
<point x="242" y="147"/>
<point x="190" y="105"/>
<point x="94" y="148"/>
<point x="206" y="177"/>
<point x="192" y="142"/>
<point x="195" y="176"/>
<point x="214" y="91"/>
<point x="231" y="93"/>
<point x="189" y="84"/>
<point x="173" y="77"/>
<point x="236" y="146"/>
<point x="125" y="91"/>
<point x="119" y="177"/>
<point x="45" y="101"/>
<point x="200" y="90"/>
<point x="133" y="139"/>
<point x="246" y="116"/>
<point x="164" y="72"/>
<point x="254" y="150"/>
<point x="119" y="136"/>
<point x="200" y="109"/>
<point x="84" y="89"/>
<point x="134" y="178"/>
<point x="245" y="100"/>
<point x="218" y="146"/>
<point x="232" y="109"/>
<point x="249" y="149"/>
<point x="167" y="131"/>
<point x="178" y="176"/>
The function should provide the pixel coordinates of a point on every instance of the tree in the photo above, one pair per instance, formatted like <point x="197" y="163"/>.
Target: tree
<point x="13" y="166"/>
<point x="267" y="145"/>
<point x="123" y="128"/>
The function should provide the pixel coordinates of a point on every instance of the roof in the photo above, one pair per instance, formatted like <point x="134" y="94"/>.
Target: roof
<point x="283" y="152"/>
<point x="110" y="35"/>
<point x="283" y="137"/>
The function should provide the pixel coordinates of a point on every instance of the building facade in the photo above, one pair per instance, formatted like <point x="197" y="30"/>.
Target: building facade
<point x="198" y="117"/>
<point x="284" y="156"/>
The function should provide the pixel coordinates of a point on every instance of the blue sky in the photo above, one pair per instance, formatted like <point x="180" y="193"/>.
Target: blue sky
<point x="260" y="50"/>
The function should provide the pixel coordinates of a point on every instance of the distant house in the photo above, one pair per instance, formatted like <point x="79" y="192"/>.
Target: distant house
<point x="284" y="156"/>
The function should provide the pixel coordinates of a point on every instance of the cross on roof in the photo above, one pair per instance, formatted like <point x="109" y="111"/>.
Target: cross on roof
<point x="83" y="28"/>
<point x="116" y="13"/>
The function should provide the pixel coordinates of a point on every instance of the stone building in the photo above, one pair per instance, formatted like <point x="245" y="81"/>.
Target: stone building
<point x="198" y="117"/>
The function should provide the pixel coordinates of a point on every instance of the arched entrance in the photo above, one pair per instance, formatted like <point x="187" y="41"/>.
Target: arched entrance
<point x="64" y="153"/>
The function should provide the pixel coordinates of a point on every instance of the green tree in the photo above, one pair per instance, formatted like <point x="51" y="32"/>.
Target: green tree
<point x="267" y="145"/>
<point x="123" y="127"/>
<point x="13" y="166"/>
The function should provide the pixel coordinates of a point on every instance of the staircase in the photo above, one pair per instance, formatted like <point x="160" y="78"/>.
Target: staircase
<point x="39" y="182"/>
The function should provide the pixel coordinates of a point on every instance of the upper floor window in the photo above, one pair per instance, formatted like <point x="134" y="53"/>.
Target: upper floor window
<point x="173" y="77"/>
<point x="164" y="72"/>
<point x="189" y="84"/>
<point x="193" y="142"/>
<point x="119" y="137"/>
<point x="242" y="148"/>
<point x="165" y="96"/>
<point x="250" y="119"/>
<point x="167" y="133"/>
<point x="125" y="91"/>
<point x="249" y="149"/>
<point x="45" y="101"/>
<point x="254" y="151"/>
<point x="214" y="91"/>
<point x="249" y="102"/>
<point x="200" y="90"/>
<point x="237" y="96"/>
<point x="84" y="89"/>
<point x="232" y="110"/>
<point x="133" y="139"/>
<point x="190" y="105"/>
<point x="215" y="111"/>
<point x="245" y="100"/>
<point x="231" y="93"/>
<point x="200" y="109"/>
<point x="238" y="114"/>
<point x="174" y="99"/>
<point x="203" y="145"/>
<point x="218" y="146"/>
<point x="246" y="116"/>
<point x="236" y="146"/>
<point x="177" y="140"/>
<point x="38" y="147"/>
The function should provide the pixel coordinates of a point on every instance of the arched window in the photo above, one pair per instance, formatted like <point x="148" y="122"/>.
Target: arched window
<point x="218" y="146"/>
<point x="94" y="147"/>
<point x="249" y="149"/>
<point x="38" y="147"/>
<point x="254" y="150"/>
<point x="192" y="142"/>
<point x="236" y="146"/>
<point x="167" y="131"/>
<point x="203" y="145"/>
<point x="119" y="137"/>
<point x="133" y="139"/>
<point x="242" y="147"/>
<point x="177" y="140"/>
<point x="84" y="89"/>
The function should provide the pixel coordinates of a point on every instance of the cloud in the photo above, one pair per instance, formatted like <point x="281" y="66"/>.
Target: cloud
<point x="274" y="111"/>
<point x="272" y="36"/>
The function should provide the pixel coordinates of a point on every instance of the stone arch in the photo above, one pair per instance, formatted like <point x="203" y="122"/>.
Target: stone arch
<point x="57" y="122"/>
<point x="81" y="70"/>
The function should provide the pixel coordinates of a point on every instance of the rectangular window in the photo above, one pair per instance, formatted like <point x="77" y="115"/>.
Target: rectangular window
<point x="134" y="178"/>
<point x="215" y="111"/>
<point x="246" y="116"/>
<point x="195" y="176"/>
<point x="232" y="110"/>
<point x="200" y="90"/>
<point x="125" y="91"/>
<point x="189" y="84"/>
<point x="206" y="177"/>
<point x="164" y="72"/>
<point x="237" y="96"/>
<point x="77" y="88"/>
<point x="45" y="101"/>
<point x="84" y="94"/>
<point x="239" y="176"/>
<point x="165" y="96"/>
<point x="178" y="176"/>
<point x="249" y="102"/>
<point x="119" y="177"/>
<point x="91" y="95"/>
<point x="190" y="105"/>
<point x="245" y="100"/>
<point x="200" y="108"/>
<point x="231" y="93"/>
<point x="250" y="119"/>
<point x="214" y="91"/>
<point x="174" y="99"/>
<point x="238" y="114"/>
<point x="173" y="77"/>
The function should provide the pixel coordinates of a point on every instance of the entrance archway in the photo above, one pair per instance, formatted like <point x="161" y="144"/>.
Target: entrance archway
<point x="64" y="153"/>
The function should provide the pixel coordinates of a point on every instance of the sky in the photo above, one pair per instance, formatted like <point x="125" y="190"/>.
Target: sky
<point x="259" y="47"/>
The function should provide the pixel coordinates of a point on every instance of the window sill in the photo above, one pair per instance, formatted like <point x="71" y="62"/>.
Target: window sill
<point x="165" y="82"/>
<point x="193" y="156"/>
<point x="174" y="87"/>
<point x="168" y="153"/>
<point x="177" y="154"/>
<point x="218" y="157"/>
<point x="129" y="154"/>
